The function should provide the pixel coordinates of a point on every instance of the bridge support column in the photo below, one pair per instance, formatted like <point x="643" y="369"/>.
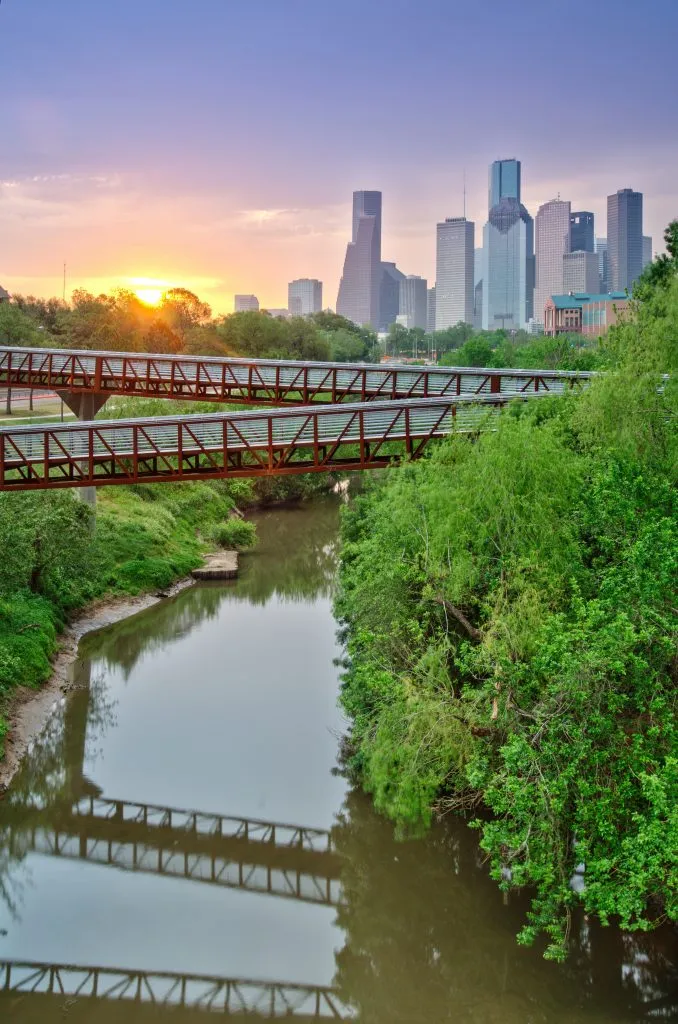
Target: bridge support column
<point x="85" y="406"/>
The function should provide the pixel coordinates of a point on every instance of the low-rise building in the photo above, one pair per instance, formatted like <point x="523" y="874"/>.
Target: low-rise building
<point x="586" y="314"/>
<point x="246" y="304"/>
<point x="4" y="295"/>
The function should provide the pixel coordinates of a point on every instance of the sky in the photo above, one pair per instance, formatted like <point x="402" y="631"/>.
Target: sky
<point x="215" y="144"/>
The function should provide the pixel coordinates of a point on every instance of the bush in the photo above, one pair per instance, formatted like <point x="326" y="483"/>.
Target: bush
<point x="234" y="533"/>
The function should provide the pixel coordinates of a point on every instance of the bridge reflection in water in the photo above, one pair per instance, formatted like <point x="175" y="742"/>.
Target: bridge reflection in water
<point x="160" y="989"/>
<point x="242" y="853"/>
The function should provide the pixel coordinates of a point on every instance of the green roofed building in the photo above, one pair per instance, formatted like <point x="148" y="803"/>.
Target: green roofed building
<point x="579" y="313"/>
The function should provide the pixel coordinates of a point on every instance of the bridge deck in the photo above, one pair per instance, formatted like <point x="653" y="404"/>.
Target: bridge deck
<point x="261" y="381"/>
<point x="252" y="443"/>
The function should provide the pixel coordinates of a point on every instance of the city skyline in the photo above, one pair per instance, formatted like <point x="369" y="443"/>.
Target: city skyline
<point x="254" y="198"/>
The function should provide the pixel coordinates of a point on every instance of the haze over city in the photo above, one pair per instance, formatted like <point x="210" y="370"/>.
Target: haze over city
<point x="225" y="156"/>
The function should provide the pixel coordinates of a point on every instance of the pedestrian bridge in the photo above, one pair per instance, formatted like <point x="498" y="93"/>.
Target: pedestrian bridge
<point x="260" y="381"/>
<point x="357" y="416"/>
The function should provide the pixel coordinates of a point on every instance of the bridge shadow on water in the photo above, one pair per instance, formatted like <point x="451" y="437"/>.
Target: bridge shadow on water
<point x="425" y="934"/>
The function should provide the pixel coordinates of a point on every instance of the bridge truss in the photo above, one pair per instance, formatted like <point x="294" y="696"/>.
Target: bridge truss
<point x="261" y="381"/>
<point x="359" y="435"/>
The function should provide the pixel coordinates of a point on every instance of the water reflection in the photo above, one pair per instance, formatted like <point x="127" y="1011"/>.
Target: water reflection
<point x="421" y="933"/>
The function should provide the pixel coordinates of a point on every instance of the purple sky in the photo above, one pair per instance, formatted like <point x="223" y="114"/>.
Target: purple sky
<point x="216" y="143"/>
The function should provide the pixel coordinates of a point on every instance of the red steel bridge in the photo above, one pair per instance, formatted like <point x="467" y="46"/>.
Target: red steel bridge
<point x="260" y="381"/>
<point x="355" y="416"/>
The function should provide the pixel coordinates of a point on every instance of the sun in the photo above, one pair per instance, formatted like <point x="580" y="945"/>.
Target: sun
<point x="149" y="296"/>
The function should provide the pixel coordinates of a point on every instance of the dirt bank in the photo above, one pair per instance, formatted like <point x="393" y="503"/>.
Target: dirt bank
<point x="29" y="709"/>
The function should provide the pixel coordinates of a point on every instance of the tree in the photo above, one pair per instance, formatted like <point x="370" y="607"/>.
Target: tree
<point x="183" y="310"/>
<point x="16" y="329"/>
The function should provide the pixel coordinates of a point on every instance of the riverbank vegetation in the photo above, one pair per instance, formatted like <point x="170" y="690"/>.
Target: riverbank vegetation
<point x="509" y="613"/>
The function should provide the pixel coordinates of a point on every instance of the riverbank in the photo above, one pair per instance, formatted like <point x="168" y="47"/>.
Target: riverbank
<point x="58" y="572"/>
<point x="29" y="710"/>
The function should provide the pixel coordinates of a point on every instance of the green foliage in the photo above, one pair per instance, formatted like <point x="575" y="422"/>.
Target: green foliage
<point x="508" y="609"/>
<point x="233" y="533"/>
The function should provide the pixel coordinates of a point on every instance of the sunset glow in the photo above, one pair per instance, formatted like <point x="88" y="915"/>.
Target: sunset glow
<point x="149" y="296"/>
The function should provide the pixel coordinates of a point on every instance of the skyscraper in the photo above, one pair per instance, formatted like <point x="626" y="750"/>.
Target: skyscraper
<point x="455" y="238"/>
<point x="413" y="300"/>
<point x="624" y="238"/>
<point x="504" y="181"/>
<point x="389" y="295"/>
<point x="580" y="274"/>
<point x="647" y="250"/>
<point x="246" y="304"/>
<point x="551" y="242"/>
<point x="508" y="252"/>
<point x="581" y="231"/>
<point x="358" y="298"/>
<point x="478" y="289"/>
<point x="603" y="269"/>
<point x="304" y="296"/>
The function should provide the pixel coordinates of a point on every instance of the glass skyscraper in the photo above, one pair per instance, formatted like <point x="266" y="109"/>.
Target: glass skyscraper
<point x="508" y="252"/>
<point x="582" y="231"/>
<point x="504" y="181"/>
<point x="624" y="238"/>
<point x="358" y="297"/>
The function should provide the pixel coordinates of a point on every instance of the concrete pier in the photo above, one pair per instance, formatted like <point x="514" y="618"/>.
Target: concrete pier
<point x="223" y="565"/>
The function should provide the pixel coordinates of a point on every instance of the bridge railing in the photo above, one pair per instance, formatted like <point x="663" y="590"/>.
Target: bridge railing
<point x="252" y="443"/>
<point x="262" y="381"/>
<point x="215" y="994"/>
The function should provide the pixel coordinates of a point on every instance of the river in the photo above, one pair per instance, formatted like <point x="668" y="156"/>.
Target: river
<point x="180" y="833"/>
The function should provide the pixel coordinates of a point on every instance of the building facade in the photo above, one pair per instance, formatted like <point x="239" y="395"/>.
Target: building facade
<point x="551" y="243"/>
<point x="455" y="238"/>
<point x="582" y="231"/>
<point x="389" y="295"/>
<point x="4" y="295"/>
<point x="647" y="250"/>
<point x="624" y="238"/>
<point x="358" y="298"/>
<point x="504" y="181"/>
<point x="246" y="304"/>
<point x="603" y="269"/>
<point x="590" y="315"/>
<point x="580" y="273"/>
<point x="508" y="267"/>
<point x="413" y="301"/>
<point x="431" y="310"/>
<point x="304" y="296"/>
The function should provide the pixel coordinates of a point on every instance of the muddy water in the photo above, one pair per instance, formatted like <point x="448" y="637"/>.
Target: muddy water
<point x="179" y="836"/>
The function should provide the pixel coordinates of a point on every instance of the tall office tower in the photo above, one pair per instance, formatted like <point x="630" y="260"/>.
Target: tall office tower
<point x="551" y="242"/>
<point x="358" y="298"/>
<point x="508" y="267"/>
<point x="624" y="238"/>
<point x="477" y="321"/>
<point x="431" y="310"/>
<point x="389" y="295"/>
<point x="246" y="304"/>
<point x="413" y="301"/>
<point x="455" y="237"/>
<point x="647" y="250"/>
<point x="603" y="268"/>
<point x="581" y="231"/>
<point x="504" y="181"/>
<point x="304" y="296"/>
<point x="580" y="274"/>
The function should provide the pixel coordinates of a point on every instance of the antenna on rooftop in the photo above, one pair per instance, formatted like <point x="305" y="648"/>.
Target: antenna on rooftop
<point x="464" y="193"/>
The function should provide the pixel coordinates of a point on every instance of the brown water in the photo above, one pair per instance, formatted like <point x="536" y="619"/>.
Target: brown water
<point x="115" y="897"/>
